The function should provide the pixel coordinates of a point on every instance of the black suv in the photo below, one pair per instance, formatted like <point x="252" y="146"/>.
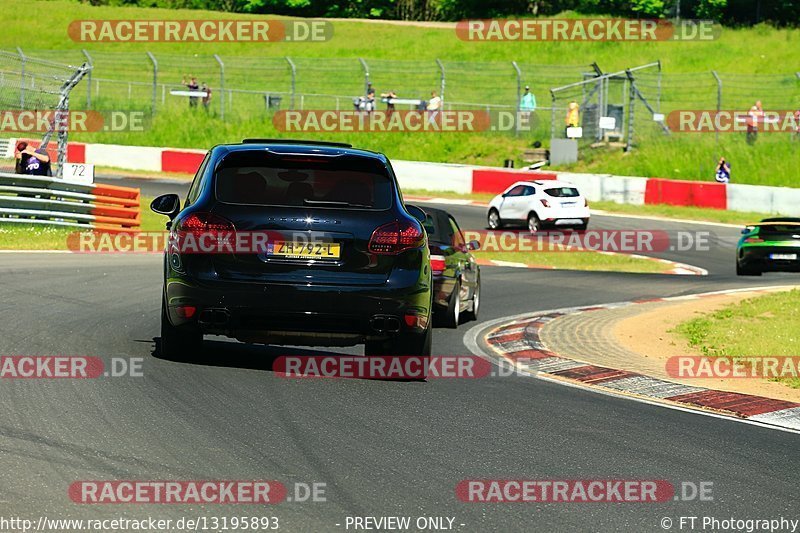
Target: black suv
<point x="343" y="261"/>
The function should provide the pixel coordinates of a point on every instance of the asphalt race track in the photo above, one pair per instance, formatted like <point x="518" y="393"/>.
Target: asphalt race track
<point x="382" y="448"/>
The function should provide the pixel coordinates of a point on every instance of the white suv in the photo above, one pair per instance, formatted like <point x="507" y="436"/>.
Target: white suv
<point x="539" y="204"/>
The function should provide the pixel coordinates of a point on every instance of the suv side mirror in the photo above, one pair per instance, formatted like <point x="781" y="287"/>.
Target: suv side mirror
<point x="166" y="204"/>
<point x="417" y="213"/>
<point x="473" y="245"/>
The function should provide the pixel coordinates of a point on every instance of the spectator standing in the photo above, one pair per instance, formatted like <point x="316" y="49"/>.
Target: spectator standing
<point x="528" y="101"/>
<point x="573" y="118"/>
<point x="207" y="98"/>
<point x="389" y="104"/>
<point x="527" y="105"/>
<point x="370" y="103"/>
<point x="723" y="171"/>
<point x="433" y="107"/>
<point x="192" y="86"/>
<point x="754" y="116"/>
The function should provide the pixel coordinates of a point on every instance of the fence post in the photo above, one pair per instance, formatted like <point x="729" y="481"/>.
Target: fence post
<point x="89" y="80"/>
<point x="442" y="79"/>
<point x="719" y="99"/>
<point x="22" y="78"/>
<point x="221" y="87"/>
<point x="519" y="103"/>
<point x="366" y="73"/>
<point x="294" y="76"/>
<point x="155" y="81"/>
<point x="552" y="114"/>
<point x="631" y="102"/>
<point x="658" y="102"/>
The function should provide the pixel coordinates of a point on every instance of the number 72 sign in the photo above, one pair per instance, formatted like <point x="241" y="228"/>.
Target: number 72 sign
<point x="78" y="173"/>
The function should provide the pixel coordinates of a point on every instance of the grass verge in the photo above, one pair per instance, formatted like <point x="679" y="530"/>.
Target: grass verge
<point x="760" y="326"/>
<point x="700" y="214"/>
<point x="583" y="260"/>
<point x="38" y="237"/>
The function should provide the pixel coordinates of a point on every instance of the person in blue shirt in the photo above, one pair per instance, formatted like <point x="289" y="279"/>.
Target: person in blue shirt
<point x="528" y="100"/>
<point x="33" y="162"/>
<point x="723" y="171"/>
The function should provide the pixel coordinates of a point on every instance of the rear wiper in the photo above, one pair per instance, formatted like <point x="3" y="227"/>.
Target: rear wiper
<point x="330" y="203"/>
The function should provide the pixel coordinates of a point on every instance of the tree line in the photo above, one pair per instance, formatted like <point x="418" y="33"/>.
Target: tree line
<point x="728" y="12"/>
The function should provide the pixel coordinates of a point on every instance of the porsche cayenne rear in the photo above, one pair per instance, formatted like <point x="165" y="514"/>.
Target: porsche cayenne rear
<point x="342" y="261"/>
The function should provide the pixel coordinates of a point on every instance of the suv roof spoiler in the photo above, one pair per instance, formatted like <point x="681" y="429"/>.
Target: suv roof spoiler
<point x="296" y="141"/>
<point x="791" y="220"/>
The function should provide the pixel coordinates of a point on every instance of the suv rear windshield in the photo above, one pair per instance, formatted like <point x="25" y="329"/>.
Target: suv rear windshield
<point x="344" y="182"/>
<point x="562" y="192"/>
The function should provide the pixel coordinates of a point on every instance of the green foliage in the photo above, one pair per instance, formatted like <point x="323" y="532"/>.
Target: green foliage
<point x="747" y="12"/>
<point x="711" y="9"/>
<point x="648" y="8"/>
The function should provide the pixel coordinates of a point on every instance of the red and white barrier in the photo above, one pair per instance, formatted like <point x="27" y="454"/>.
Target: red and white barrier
<point x="476" y="179"/>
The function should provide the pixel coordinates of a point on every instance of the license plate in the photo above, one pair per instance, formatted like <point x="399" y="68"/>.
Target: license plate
<point x="787" y="257"/>
<point x="568" y="204"/>
<point x="302" y="250"/>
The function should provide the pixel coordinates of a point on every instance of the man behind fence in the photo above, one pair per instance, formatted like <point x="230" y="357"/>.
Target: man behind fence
<point x="192" y="86"/>
<point x="527" y="105"/>
<point x="754" y="116"/>
<point x="207" y="97"/>
<point x="30" y="161"/>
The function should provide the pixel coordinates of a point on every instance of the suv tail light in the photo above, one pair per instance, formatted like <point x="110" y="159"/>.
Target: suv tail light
<point x="205" y="222"/>
<point x="200" y="233"/>
<point x="438" y="264"/>
<point x="395" y="237"/>
<point x="545" y="202"/>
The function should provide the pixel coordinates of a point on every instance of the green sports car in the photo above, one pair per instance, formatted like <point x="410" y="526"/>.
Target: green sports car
<point x="771" y="245"/>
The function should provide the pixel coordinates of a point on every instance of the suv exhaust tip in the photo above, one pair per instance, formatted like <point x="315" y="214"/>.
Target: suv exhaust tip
<point x="214" y="317"/>
<point x="385" y="324"/>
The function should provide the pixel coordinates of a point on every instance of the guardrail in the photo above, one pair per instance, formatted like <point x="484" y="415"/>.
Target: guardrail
<point x="44" y="200"/>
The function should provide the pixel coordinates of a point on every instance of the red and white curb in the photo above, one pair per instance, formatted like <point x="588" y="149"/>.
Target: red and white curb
<point x="516" y="340"/>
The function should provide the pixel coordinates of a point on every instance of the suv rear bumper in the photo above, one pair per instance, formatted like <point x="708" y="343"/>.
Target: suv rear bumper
<point x="319" y="315"/>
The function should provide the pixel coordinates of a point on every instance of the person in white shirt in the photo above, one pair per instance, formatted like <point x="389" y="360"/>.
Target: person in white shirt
<point x="433" y="107"/>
